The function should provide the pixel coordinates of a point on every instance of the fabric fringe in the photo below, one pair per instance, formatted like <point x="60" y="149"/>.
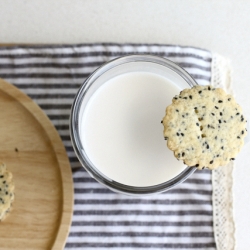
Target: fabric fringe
<point x="222" y="178"/>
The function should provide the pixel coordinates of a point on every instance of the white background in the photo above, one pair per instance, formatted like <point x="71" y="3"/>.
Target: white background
<point x="220" y="26"/>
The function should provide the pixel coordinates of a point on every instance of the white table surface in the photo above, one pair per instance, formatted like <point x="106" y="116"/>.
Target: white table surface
<point x="221" y="26"/>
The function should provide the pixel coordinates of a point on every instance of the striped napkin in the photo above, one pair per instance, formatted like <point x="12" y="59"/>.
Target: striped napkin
<point x="181" y="218"/>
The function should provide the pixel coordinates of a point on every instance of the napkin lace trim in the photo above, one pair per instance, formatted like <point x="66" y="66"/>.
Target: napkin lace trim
<point x="222" y="179"/>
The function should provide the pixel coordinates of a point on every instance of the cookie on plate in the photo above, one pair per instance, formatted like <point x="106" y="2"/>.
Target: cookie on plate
<point x="6" y="191"/>
<point x="205" y="127"/>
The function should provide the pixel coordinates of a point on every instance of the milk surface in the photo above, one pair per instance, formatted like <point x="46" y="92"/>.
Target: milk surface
<point x="121" y="129"/>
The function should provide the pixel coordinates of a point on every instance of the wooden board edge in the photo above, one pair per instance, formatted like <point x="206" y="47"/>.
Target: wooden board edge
<point x="60" y="152"/>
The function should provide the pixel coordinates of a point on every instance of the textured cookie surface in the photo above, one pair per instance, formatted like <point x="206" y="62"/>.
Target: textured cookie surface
<point x="6" y="191"/>
<point x="204" y="127"/>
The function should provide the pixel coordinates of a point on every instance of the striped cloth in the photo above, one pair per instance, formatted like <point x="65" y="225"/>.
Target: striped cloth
<point x="181" y="218"/>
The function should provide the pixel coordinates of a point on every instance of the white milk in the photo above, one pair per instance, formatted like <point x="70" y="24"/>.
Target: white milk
<point x="122" y="133"/>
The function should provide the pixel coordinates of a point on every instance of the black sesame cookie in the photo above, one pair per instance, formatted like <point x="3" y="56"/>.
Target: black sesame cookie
<point x="6" y="191"/>
<point x="204" y="127"/>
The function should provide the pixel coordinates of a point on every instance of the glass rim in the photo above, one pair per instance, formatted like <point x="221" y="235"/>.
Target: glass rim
<point x="74" y="126"/>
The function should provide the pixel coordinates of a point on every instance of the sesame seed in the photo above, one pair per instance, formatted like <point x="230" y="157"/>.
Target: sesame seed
<point x="197" y="165"/>
<point x="177" y="110"/>
<point x="190" y="97"/>
<point x="220" y="101"/>
<point x="216" y="107"/>
<point x="208" y="126"/>
<point x="232" y="159"/>
<point x="212" y="113"/>
<point x="203" y="135"/>
<point x="220" y="113"/>
<point x="211" y="162"/>
<point x="219" y="121"/>
<point x="222" y="147"/>
<point x="177" y="134"/>
<point x="207" y="146"/>
<point x="184" y="97"/>
<point x="183" y="154"/>
<point x="229" y="99"/>
<point x="165" y="138"/>
<point x="203" y="107"/>
<point x="209" y="88"/>
<point x="242" y="132"/>
<point x="200" y="91"/>
<point x="197" y="124"/>
<point x="182" y="134"/>
<point x="237" y="113"/>
<point x="238" y="137"/>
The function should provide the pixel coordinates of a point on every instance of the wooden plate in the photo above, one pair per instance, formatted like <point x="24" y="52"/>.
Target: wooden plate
<point x="33" y="151"/>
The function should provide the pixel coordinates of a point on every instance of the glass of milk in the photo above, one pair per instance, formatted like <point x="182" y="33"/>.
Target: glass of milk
<point x="116" y="128"/>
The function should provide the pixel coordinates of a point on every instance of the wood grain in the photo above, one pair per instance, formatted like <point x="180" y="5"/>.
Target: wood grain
<point x="33" y="151"/>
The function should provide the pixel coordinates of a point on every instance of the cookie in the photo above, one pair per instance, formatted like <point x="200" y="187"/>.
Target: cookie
<point x="6" y="191"/>
<point x="204" y="127"/>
